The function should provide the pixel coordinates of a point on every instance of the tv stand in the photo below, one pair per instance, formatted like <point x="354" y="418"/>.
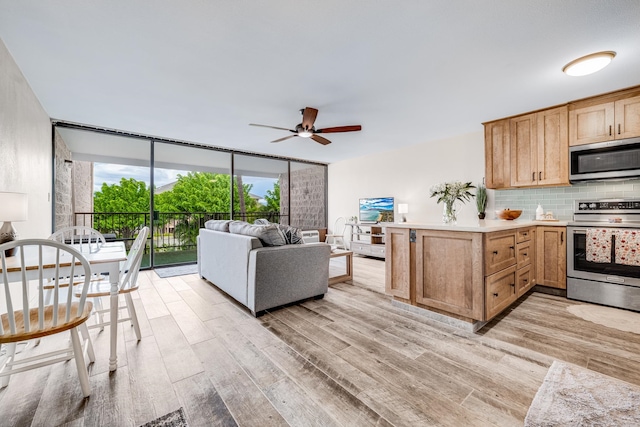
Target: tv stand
<point x="367" y="239"/>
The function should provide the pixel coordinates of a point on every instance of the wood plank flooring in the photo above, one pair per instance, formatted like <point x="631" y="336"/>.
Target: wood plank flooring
<point x="350" y="359"/>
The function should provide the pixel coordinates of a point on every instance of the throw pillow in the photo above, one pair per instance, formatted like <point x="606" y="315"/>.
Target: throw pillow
<point x="269" y="235"/>
<point x="292" y="235"/>
<point x="218" y="225"/>
<point x="261" y="221"/>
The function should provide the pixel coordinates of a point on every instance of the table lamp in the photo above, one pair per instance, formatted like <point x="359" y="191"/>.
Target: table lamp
<point x="13" y="207"/>
<point x="403" y="208"/>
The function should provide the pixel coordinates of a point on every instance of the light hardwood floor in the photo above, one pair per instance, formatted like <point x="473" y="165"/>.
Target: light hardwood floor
<point x="350" y="359"/>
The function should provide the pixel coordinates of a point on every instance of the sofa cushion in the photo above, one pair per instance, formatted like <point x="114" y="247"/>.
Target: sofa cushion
<point x="218" y="224"/>
<point x="292" y="235"/>
<point x="269" y="235"/>
<point x="261" y="221"/>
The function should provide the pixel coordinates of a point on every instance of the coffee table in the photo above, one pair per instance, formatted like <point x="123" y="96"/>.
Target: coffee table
<point x="337" y="253"/>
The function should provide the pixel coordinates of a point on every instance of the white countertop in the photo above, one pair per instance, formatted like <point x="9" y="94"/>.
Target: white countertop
<point x="477" y="226"/>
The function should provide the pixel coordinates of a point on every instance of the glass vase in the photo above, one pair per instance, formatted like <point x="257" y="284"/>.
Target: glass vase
<point x="449" y="214"/>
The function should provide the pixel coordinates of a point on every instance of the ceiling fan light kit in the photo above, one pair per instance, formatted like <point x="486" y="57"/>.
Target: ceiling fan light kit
<point x="589" y="64"/>
<point x="306" y="129"/>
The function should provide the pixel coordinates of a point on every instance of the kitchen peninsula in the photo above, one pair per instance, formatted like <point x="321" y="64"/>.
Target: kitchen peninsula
<point x="466" y="274"/>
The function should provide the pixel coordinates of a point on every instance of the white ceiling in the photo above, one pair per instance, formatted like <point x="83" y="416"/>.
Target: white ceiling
<point x="408" y="71"/>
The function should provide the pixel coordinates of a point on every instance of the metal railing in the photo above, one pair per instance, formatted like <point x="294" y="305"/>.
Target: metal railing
<point x="170" y="231"/>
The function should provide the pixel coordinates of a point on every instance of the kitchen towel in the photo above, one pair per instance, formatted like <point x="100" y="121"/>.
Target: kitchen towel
<point x="598" y="245"/>
<point x="628" y="247"/>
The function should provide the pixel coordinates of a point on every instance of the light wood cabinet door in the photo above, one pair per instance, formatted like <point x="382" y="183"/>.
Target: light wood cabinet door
<point x="551" y="257"/>
<point x="398" y="263"/>
<point x="496" y="154"/>
<point x="552" y="142"/>
<point x="524" y="165"/>
<point x="449" y="272"/>
<point x="500" y="291"/>
<point x="500" y="251"/>
<point x="591" y="124"/>
<point x="524" y="280"/>
<point x="627" y="116"/>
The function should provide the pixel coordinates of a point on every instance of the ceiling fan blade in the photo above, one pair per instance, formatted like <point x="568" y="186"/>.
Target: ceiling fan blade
<point x="353" y="128"/>
<point x="309" y="117"/>
<point x="286" y="137"/>
<point x="272" y="127"/>
<point x="321" y="140"/>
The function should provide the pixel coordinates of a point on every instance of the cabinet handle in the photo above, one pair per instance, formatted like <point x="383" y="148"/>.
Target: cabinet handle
<point x="609" y="130"/>
<point x="511" y="247"/>
<point x="525" y="234"/>
<point x="562" y="237"/>
<point x="525" y="280"/>
<point x="495" y="294"/>
<point x="539" y="176"/>
<point x="495" y="252"/>
<point x="533" y="176"/>
<point x="524" y="254"/>
<point x="618" y="128"/>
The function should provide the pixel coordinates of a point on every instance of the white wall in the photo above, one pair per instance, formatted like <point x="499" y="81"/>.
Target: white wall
<point x="25" y="147"/>
<point x="407" y="174"/>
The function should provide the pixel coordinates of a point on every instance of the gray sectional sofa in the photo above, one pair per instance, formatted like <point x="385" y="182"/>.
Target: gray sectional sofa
<point x="261" y="277"/>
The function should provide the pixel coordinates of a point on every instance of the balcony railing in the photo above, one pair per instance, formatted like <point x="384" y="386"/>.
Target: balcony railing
<point x="170" y="231"/>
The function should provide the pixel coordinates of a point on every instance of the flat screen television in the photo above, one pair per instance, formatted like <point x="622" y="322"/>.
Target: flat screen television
<point x="376" y="209"/>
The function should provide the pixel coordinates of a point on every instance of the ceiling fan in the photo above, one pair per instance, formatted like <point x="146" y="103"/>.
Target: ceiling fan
<point x="306" y="129"/>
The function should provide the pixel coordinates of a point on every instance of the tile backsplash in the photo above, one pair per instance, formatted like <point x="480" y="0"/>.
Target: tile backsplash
<point x="559" y="200"/>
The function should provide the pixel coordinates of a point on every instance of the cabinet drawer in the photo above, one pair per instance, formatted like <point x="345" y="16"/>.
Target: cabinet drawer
<point x="500" y="251"/>
<point x="523" y="234"/>
<point x="361" y="248"/>
<point x="500" y="291"/>
<point x="377" y="250"/>
<point x="524" y="254"/>
<point x="524" y="280"/>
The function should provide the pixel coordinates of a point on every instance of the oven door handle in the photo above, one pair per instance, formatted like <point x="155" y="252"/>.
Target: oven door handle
<point x="579" y="231"/>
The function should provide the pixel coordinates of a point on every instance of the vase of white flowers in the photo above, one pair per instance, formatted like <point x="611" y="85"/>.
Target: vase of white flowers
<point x="451" y="193"/>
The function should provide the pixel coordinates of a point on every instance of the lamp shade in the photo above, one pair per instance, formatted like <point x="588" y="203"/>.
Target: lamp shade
<point x="403" y="208"/>
<point x="13" y="207"/>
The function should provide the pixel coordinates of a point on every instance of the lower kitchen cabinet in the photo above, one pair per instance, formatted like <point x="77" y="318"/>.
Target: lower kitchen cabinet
<point x="551" y="253"/>
<point x="500" y="291"/>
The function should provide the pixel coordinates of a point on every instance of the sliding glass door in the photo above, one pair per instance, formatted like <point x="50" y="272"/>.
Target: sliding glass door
<point x="191" y="185"/>
<point x="120" y="183"/>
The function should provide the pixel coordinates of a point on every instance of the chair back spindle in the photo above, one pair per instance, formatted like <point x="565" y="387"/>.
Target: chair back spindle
<point x="54" y="260"/>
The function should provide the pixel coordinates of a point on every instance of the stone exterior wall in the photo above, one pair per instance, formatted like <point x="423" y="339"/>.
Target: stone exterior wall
<point x="63" y="184"/>
<point x="308" y="198"/>
<point x="83" y="187"/>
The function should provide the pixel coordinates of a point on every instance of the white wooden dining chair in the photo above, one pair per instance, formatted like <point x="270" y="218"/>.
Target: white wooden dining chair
<point x="127" y="284"/>
<point x="336" y="238"/>
<point x="86" y="239"/>
<point x="27" y="318"/>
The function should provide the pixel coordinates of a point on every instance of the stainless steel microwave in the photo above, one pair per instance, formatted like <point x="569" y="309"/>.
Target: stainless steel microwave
<point x="605" y="160"/>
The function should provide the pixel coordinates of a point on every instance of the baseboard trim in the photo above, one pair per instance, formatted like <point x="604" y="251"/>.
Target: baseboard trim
<point x="472" y="327"/>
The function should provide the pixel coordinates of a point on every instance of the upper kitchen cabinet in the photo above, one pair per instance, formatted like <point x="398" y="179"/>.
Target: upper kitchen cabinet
<point x="496" y="152"/>
<point x="540" y="148"/>
<point x="605" y="118"/>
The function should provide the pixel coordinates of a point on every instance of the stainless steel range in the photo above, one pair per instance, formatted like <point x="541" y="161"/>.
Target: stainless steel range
<point x="603" y="253"/>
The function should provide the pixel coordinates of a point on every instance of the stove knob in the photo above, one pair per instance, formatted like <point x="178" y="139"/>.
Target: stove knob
<point x="582" y="206"/>
<point x="592" y="206"/>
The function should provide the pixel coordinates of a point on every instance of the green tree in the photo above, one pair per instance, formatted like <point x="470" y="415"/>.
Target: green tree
<point x="130" y="196"/>
<point x="199" y="192"/>
<point x="272" y="198"/>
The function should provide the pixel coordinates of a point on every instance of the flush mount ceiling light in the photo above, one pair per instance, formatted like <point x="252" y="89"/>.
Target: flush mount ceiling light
<point x="589" y="64"/>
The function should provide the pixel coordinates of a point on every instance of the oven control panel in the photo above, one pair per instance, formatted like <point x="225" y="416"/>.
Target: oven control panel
<point x="627" y="206"/>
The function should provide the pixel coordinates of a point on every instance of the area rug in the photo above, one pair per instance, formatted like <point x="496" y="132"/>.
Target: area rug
<point x="575" y="396"/>
<point x="179" y="270"/>
<point x="176" y="418"/>
<point x="623" y="320"/>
